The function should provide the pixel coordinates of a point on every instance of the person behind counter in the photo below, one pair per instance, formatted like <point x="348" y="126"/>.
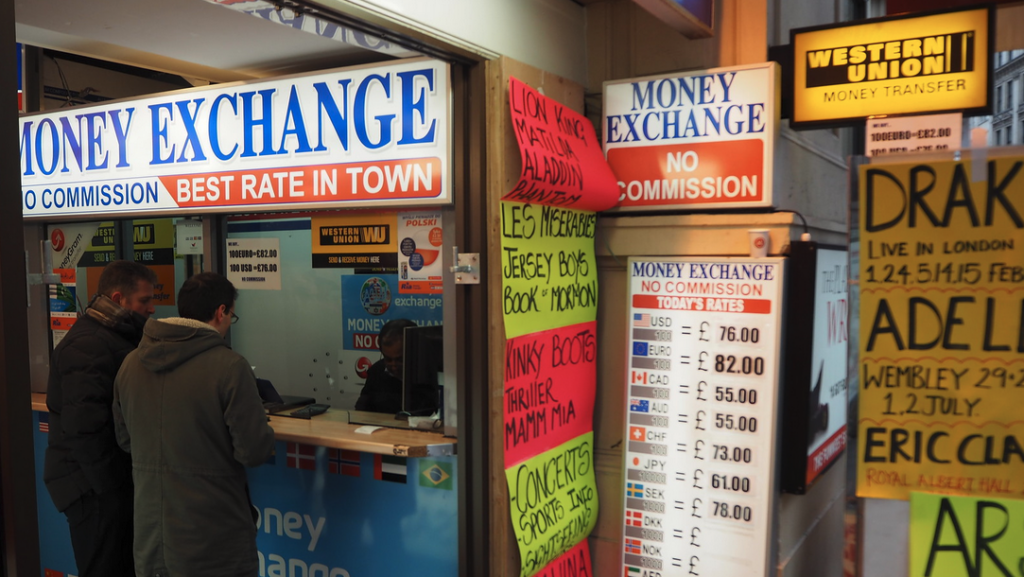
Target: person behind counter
<point x="187" y="408"/>
<point x="88" y="478"/>
<point x="382" y="392"/>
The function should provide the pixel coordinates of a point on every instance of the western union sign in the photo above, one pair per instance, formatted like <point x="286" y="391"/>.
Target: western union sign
<point x="892" y="66"/>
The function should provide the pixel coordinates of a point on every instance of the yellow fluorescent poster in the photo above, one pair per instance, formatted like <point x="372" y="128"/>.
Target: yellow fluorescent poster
<point x="553" y="498"/>
<point x="901" y="65"/>
<point x="941" y="337"/>
<point x="959" y="536"/>
<point x="549" y="274"/>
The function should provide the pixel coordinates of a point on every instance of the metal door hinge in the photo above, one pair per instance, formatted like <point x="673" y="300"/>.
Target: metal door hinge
<point x="467" y="267"/>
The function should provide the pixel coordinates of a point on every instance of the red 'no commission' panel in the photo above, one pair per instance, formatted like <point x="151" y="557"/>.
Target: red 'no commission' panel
<point x="699" y="173"/>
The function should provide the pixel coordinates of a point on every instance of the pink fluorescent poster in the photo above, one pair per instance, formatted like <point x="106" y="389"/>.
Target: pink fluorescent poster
<point x="575" y="561"/>
<point x="549" y="389"/>
<point x="563" y="164"/>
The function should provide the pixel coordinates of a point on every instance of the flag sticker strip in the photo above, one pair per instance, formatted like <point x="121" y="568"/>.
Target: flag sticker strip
<point x="44" y="422"/>
<point x="637" y="433"/>
<point x="389" y="468"/>
<point x="301" y="456"/>
<point x="634" y="518"/>
<point x="435" y="474"/>
<point x="343" y="462"/>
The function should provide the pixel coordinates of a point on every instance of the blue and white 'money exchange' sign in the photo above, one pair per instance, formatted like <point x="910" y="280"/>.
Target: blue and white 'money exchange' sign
<point x="365" y="136"/>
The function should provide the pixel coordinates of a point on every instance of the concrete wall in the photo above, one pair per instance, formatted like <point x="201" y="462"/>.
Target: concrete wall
<point x="546" y="34"/>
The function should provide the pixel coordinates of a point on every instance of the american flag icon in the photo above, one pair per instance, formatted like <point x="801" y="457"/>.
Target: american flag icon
<point x="634" y="518"/>
<point x="641" y="320"/>
<point x="633" y="546"/>
<point x="44" y="422"/>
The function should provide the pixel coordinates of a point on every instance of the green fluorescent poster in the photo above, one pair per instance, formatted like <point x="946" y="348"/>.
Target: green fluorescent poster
<point x="966" y="536"/>
<point x="554" y="502"/>
<point x="548" y="268"/>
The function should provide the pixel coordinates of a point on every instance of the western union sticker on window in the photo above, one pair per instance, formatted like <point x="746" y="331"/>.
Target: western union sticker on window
<point x="892" y="66"/>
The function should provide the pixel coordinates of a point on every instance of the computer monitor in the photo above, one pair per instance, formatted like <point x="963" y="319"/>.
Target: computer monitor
<point x="422" y="360"/>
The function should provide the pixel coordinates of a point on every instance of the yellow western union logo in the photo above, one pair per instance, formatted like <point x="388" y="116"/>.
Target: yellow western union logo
<point x="375" y="234"/>
<point x="907" y="58"/>
<point x="355" y="235"/>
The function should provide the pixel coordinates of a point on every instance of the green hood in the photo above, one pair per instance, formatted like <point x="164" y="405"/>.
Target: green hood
<point x="168" y="343"/>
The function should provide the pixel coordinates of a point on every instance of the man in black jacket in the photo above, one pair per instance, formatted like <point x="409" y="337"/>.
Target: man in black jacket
<point x="87" y="475"/>
<point x="382" y="392"/>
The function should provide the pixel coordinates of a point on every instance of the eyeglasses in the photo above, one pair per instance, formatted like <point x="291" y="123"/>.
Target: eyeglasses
<point x="234" y="317"/>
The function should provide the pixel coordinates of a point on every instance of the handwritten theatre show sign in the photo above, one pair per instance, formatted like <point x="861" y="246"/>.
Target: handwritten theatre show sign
<point x="562" y="160"/>
<point x="349" y="137"/>
<point x="941" y="338"/>
<point x="696" y="140"/>
<point x="548" y="407"/>
<point x="891" y="66"/>
<point x="549" y="389"/>
<point x="549" y="302"/>
<point x="548" y="267"/>
<point x="554" y="502"/>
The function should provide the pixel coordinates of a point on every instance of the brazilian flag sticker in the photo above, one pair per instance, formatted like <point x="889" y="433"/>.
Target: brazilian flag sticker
<point x="435" y="474"/>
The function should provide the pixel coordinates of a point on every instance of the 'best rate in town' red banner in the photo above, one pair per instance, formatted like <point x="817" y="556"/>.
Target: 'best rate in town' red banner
<point x="381" y="180"/>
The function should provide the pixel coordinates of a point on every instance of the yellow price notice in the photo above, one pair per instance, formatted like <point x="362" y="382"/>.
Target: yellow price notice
<point x="941" y="333"/>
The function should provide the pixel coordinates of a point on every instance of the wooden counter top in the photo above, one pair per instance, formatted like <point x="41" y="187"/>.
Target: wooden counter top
<point x="332" y="429"/>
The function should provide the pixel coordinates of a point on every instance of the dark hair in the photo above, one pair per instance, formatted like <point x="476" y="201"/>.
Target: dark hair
<point x="123" y="276"/>
<point x="201" y="296"/>
<point x="393" y="331"/>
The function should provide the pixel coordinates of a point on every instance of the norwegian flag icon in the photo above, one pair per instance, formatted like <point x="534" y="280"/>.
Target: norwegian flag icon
<point x="343" y="462"/>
